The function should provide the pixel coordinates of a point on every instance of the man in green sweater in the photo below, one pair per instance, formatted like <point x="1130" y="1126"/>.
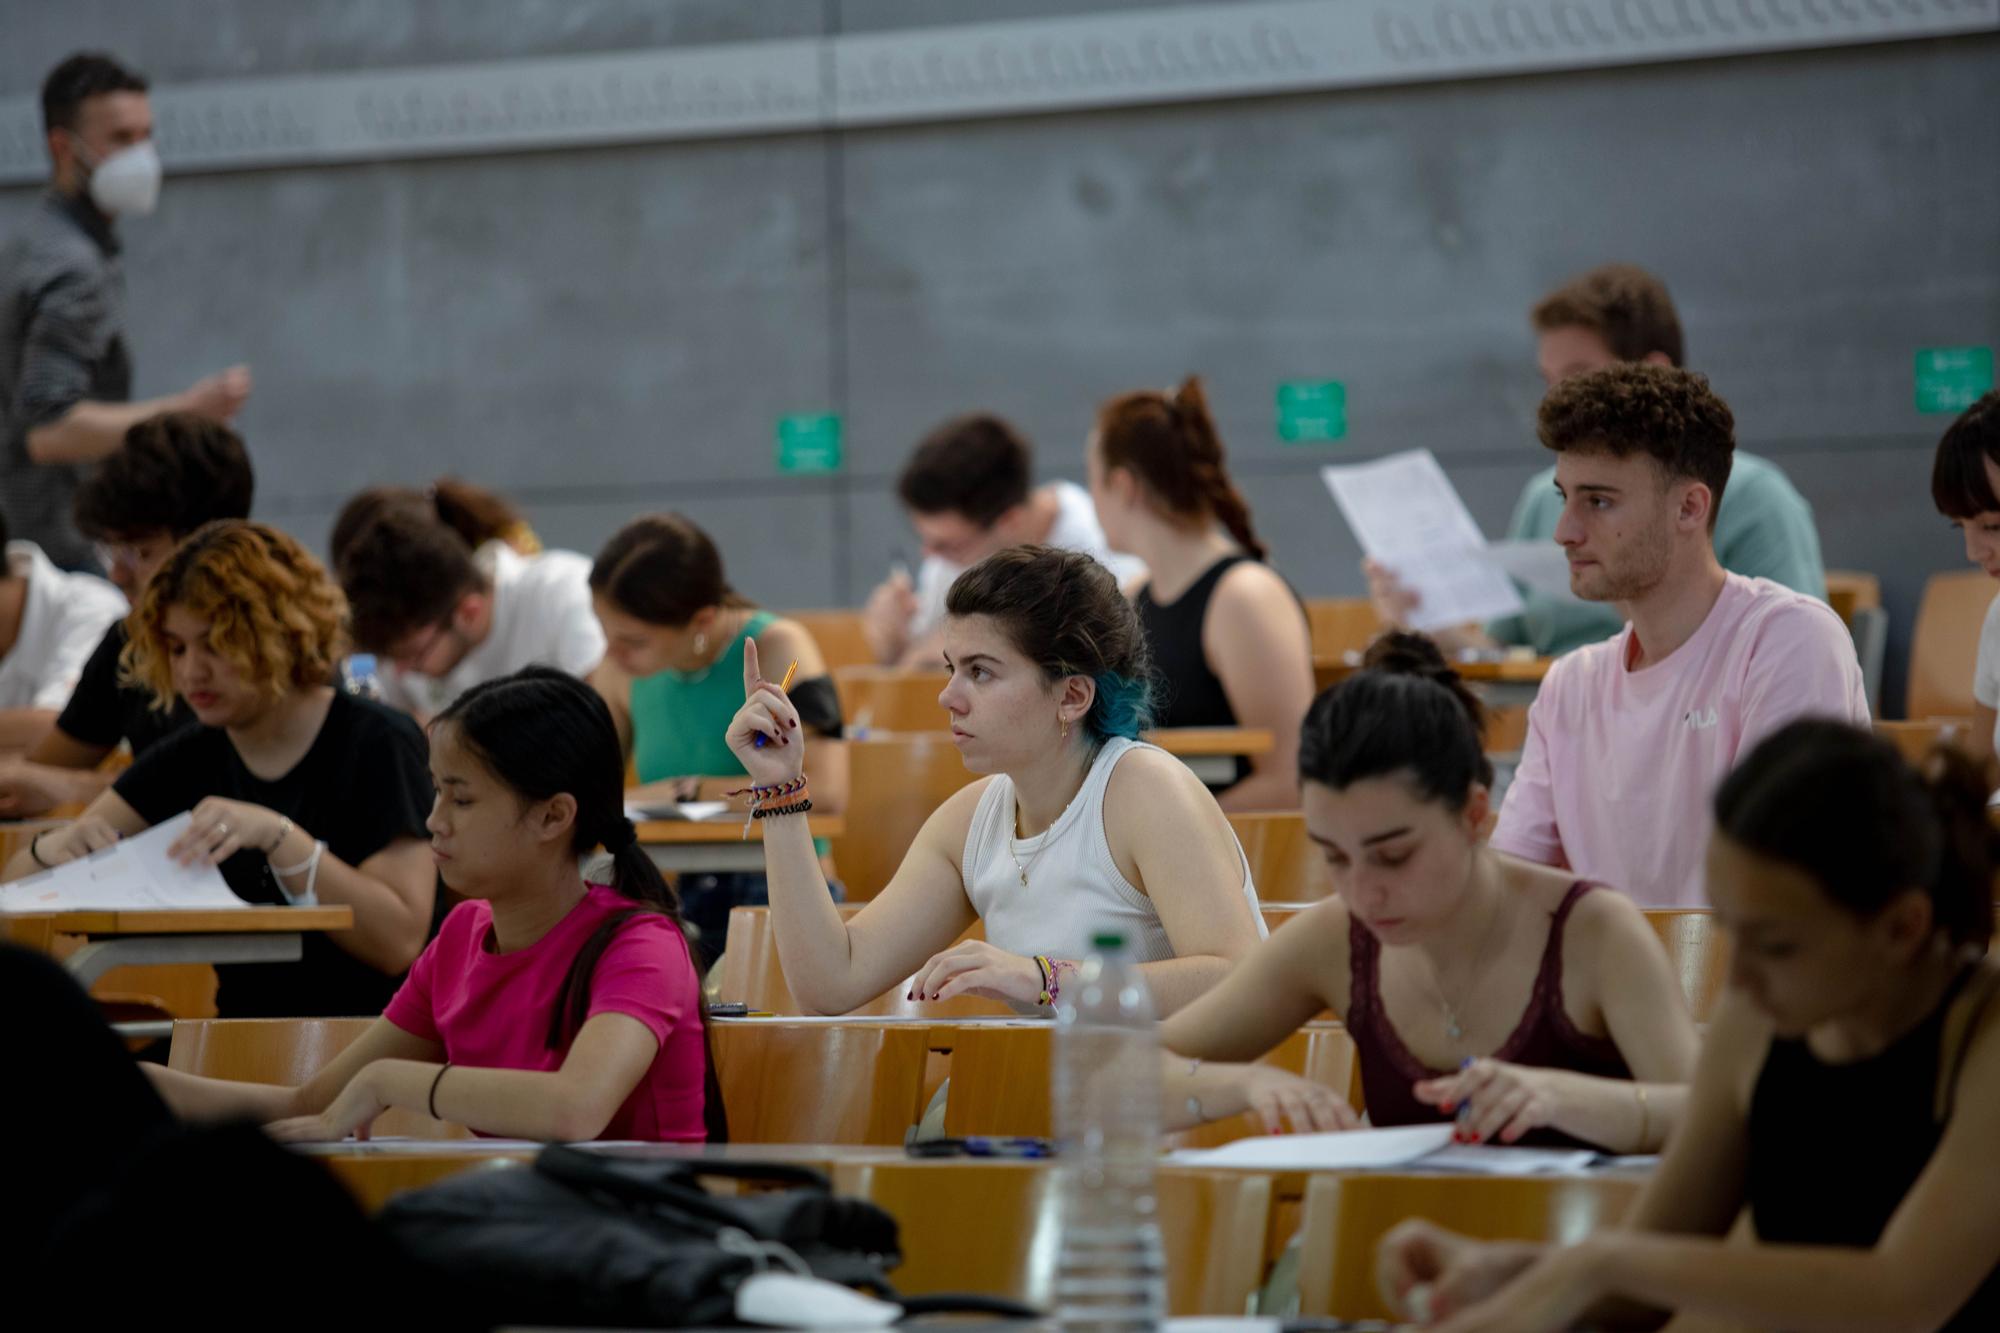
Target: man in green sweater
<point x="1620" y="313"/>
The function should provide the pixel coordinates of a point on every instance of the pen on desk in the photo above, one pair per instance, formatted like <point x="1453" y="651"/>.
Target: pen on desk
<point x="1462" y="1127"/>
<point x="784" y="687"/>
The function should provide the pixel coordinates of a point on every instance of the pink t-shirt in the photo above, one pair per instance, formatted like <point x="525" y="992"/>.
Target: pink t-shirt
<point x="1620" y="765"/>
<point x="491" y="1010"/>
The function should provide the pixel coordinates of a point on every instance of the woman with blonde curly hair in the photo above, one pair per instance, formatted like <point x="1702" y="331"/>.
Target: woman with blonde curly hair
<point x="299" y="792"/>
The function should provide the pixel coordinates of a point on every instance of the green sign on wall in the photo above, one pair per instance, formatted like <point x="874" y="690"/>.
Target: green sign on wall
<point x="809" y="443"/>
<point x="1311" y="410"/>
<point x="1950" y="379"/>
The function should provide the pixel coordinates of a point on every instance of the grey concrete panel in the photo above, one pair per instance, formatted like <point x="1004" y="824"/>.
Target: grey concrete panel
<point x="583" y="319"/>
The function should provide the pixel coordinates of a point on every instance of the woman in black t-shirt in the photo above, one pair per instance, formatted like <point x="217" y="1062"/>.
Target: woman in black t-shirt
<point x="1228" y="636"/>
<point x="299" y="792"/>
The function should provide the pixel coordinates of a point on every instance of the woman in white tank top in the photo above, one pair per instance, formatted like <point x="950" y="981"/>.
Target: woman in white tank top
<point x="1078" y="826"/>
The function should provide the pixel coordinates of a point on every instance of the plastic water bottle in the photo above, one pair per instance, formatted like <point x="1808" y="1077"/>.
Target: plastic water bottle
<point x="1110" y="1268"/>
<point x="357" y="676"/>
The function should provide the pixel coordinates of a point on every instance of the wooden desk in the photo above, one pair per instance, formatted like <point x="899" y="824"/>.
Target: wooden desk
<point x="992" y="1226"/>
<point x="118" y="939"/>
<point x="1346" y="1216"/>
<point x="1211" y="752"/>
<point x="717" y="846"/>
<point x="1502" y="683"/>
<point x="377" y="1174"/>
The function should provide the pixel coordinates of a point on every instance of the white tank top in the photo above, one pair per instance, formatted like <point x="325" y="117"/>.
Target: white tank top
<point x="1074" y="886"/>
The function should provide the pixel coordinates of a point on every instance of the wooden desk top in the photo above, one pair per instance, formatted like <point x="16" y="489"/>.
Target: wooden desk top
<point x="1504" y="671"/>
<point x="1197" y="742"/>
<point x="224" y="921"/>
<point x="685" y="832"/>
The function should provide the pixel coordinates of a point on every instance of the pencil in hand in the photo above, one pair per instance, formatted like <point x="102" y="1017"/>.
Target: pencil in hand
<point x="784" y="687"/>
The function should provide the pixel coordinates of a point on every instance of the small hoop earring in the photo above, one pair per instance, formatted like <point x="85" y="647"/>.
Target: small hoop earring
<point x="700" y="643"/>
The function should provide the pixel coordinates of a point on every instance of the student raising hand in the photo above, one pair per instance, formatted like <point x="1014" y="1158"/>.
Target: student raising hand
<point x="766" y="715"/>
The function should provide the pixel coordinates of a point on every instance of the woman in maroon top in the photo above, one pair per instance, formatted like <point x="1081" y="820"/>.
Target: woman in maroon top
<point x="1510" y="996"/>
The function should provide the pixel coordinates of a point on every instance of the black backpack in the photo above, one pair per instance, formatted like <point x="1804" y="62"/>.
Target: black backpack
<point x="594" y="1238"/>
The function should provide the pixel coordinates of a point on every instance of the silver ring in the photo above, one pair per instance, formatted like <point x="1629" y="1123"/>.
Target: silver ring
<point x="222" y="828"/>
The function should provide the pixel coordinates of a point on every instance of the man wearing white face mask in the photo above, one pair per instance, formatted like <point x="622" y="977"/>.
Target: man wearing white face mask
<point x="65" y="373"/>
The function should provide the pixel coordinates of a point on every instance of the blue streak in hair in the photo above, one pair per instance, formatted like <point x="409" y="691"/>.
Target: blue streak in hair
<point x="1124" y="706"/>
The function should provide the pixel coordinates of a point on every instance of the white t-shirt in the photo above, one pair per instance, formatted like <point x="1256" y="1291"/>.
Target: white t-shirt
<point x="61" y="623"/>
<point x="1076" y="529"/>
<point x="541" y="617"/>
<point x="1986" y="675"/>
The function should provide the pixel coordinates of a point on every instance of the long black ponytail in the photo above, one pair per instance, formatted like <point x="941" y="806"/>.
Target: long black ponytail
<point x="542" y="731"/>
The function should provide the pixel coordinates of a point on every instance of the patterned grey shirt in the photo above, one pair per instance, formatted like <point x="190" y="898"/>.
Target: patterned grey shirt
<point x="62" y="340"/>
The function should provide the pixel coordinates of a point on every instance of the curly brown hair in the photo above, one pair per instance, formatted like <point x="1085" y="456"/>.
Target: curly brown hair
<point x="1668" y="414"/>
<point x="273" y="613"/>
<point x="1621" y="303"/>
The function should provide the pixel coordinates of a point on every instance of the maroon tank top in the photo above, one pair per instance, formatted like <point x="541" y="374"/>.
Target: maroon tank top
<point x="1545" y="1037"/>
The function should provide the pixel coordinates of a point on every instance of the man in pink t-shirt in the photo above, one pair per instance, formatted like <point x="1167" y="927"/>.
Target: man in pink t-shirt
<point x="1629" y="737"/>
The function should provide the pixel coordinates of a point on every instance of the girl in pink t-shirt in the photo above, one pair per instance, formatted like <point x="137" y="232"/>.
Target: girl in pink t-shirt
<point x="547" y="1007"/>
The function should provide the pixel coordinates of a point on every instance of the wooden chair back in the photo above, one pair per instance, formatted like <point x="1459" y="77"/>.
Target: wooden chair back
<point x="1699" y="952"/>
<point x="805" y="1082"/>
<point x="1001" y="1080"/>
<point x="750" y="974"/>
<point x="1284" y="863"/>
<point x="288" y="1052"/>
<point x="1945" y="644"/>
<point x="839" y="636"/>
<point x="1346" y="1216"/>
<point x="876" y="699"/>
<point x="990" y="1226"/>
<point x="1341" y="625"/>
<point x="899" y="781"/>
<point x="1850" y="590"/>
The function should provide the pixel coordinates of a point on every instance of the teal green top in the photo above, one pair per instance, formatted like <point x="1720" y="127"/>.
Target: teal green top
<point x="1765" y="530"/>
<point x="680" y="719"/>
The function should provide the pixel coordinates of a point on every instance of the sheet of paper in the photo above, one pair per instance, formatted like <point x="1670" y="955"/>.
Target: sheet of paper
<point x="134" y="874"/>
<point x="1540" y="565"/>
<point x="694" y="811"/>
<point x="1487" y="1159"/>
<point x="1406" y="515"/>
<point x="1354" y="1149"/>
<point x="398" y="1146"/>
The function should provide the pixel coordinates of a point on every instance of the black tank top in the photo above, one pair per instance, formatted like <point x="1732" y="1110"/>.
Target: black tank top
<point x="1835" y="1148"/>
<point x="1186" y="693"/>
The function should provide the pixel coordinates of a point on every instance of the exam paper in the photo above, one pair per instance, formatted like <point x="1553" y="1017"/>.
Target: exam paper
<point x="1541" y="565"/>
<point x="1343" y="1150"/>
<point x="1427" y="1147"/>
<point x="133" y="874"/>
<point x="1407" y="516"/>
<point x="695" y="811"/>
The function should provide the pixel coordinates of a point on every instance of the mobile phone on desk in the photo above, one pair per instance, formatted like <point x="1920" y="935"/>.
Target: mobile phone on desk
<point x="980" y="1145"/>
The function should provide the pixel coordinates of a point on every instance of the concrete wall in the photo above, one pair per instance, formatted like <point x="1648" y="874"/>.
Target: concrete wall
<point x="600" y="332"/>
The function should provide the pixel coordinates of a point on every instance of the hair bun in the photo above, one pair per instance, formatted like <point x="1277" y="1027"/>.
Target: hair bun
<point x="1401" y="652"/>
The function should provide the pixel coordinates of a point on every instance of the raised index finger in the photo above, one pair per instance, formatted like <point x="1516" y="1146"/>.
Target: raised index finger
<point x="753" y="675"/>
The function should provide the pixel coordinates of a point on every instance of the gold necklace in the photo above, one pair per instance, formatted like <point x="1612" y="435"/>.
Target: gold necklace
<point x="1452" y="1027"/>
<point x="1032" y="857"/>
